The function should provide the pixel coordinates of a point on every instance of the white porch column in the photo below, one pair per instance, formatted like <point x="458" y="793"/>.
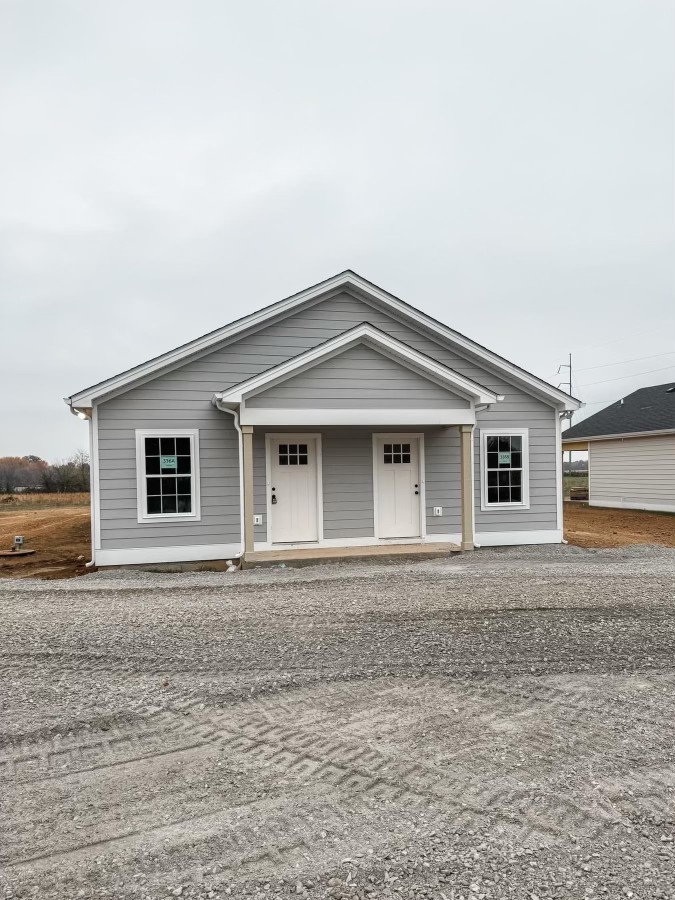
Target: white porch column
<point x="247" y="466"/>
<point x="466" y="455"/>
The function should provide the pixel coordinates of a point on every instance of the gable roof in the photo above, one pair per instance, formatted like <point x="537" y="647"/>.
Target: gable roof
<point x="645" y="411"/>
<point x="361" y="334"/>
<point x="348" y="280"/>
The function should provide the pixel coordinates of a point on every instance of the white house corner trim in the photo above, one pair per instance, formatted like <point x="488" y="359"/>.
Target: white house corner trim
<point x="559" y="471"/>
<point x="95" y="487"/>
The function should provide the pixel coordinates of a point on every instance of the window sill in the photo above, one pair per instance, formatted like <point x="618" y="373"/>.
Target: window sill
<point x="169" y="517"/>
<point x="486" y="507"/>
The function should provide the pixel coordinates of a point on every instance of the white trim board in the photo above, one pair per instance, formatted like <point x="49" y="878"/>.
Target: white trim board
<point x="304" y="418"/>
<point x="621" y="504"/>
<point x="189" y="553"/>
<point x="515" y="538"/>
<point x="370" y="336"/>
<point x="95" y="483"/>
<point x="206" y="552"/>
<point x="558" y="474"/>
<point x="343" y="280"/>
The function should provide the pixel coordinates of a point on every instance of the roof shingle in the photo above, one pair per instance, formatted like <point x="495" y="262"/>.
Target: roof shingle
<point x="648" y="409"/>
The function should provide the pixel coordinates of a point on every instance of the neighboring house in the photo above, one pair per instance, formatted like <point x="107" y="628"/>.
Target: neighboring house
<point x="631" y="450"/>
<point x="338" y="417"/>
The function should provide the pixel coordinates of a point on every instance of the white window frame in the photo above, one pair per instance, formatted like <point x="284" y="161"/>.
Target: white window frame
<point x="141" y="483"/>
<point x="523" y="433"/>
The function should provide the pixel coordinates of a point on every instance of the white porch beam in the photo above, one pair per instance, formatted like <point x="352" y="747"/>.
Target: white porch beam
<point x="375" y="417"/>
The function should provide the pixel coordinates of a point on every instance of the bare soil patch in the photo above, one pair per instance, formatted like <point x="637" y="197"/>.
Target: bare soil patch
<point x="590" y="526"/>
<point x="59" y="534"/>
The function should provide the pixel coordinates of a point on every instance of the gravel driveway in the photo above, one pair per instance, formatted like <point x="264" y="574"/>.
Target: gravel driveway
<point x="499" y="724"/>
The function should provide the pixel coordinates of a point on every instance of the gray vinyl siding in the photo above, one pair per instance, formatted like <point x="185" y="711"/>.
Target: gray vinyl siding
<point x="347" y="464"/>
<point x="539" y="419"/>
<point x="181" y="398"/>
<point x="219" y="475"/>
<point x="442" y="480"/>
<point x="358" y="378"/>
<point x="634" y="473"/>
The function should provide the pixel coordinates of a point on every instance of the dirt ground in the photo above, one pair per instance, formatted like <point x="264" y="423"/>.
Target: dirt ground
<point x="589" y="526"/>
<point x="57" y="530"/>
<point x="499" y="725"/>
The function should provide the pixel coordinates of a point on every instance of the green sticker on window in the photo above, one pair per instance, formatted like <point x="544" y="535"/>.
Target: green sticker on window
<point x="504" y="459"/>
<point x="168" y="462"/>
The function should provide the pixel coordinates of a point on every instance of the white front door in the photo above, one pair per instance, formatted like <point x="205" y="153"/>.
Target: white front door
<point x="293" y="510"/>
<point x="398" y="486"/>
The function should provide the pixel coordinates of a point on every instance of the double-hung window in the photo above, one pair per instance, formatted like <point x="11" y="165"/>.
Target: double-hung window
<point x="504" y="467"/>
<point x="167" y="471"/>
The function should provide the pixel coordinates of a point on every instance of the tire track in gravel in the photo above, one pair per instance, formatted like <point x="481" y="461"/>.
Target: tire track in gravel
<point x="257" y="731"/>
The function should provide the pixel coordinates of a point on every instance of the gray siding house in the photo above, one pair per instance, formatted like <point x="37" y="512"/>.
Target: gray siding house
<point x="338" y="417"/>
<point x="631" y="450"/>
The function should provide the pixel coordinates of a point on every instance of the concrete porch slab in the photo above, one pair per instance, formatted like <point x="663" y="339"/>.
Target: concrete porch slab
<point x="312" y="556"/>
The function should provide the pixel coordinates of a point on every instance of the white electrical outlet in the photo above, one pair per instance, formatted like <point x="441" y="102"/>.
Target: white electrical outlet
<point x="257" y="520"/>
<point x="438" y="510"/>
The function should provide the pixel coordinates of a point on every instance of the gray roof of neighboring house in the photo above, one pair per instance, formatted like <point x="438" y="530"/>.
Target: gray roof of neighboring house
<point x="649" y="409"/>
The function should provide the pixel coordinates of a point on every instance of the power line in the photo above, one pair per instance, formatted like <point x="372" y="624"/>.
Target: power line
<point x="623" y="377"/>
<point x="622" y="361"/>
<point x="615" y="341"/>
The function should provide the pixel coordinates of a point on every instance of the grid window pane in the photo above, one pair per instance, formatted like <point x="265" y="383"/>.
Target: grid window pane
<point x="165" y="459"/>
<point x="396" y="453"/>
<point x="504" y="468"/>
<point x="154" y="486"/>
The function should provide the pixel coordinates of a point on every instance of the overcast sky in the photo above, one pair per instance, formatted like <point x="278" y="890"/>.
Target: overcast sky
<point x="166" y="167"/>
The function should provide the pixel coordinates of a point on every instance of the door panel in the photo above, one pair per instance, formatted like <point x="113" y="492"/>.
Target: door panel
<point x="293" y="488"/>
<point x="398" y="486"/>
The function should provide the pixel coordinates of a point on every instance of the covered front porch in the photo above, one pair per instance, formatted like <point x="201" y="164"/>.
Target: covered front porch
<point x="360" y="443"/>
<point x="352" y="491"/>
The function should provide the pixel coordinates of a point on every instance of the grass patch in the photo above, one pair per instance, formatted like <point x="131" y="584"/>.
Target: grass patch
<point x="10" y="502"/>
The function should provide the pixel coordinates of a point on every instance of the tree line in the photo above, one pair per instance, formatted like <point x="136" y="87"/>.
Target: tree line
<point x="30" y="473"/>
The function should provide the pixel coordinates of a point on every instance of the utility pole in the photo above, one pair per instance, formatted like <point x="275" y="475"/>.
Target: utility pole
<point x="568" y="365"/>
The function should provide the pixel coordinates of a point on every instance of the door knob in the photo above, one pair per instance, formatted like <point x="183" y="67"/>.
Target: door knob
<point x="274" y="498"/>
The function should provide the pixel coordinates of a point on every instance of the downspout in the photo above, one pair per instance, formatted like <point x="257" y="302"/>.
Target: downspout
<point x="235" y="417"/>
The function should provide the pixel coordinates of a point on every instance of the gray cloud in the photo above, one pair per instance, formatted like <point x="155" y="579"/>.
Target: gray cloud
<point x="167" y="167"/>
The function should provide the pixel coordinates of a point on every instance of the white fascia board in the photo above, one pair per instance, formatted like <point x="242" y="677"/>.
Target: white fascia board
<point x="618" y="437"/>
<point x="298" y="417"/>
<point x="343" y="280"/>
<point x="359" y="334"/>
